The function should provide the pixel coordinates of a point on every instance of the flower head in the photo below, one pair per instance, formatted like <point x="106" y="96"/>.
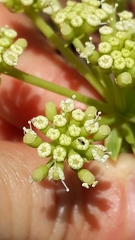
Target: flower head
<point x="68" y="145"/>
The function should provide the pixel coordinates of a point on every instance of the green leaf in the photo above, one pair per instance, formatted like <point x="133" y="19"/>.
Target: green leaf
<point x="113" y="143"/>
<point x="133" y="148"/>
<point x="128" y="133"/>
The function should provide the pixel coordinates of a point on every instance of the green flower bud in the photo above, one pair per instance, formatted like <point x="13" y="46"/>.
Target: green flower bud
<point x="90" y="113"/>
<point x="60" y="17"/>
<point x="91" y="126"/>
<point x="31" y="138"/>
<point x="44" y="149"/>
<point x="122" y="36"/>
<point x="67" y="32"/>
<point x="78" y="115"/>
<point x="67" y="106"/>
<point x="53" y="134"/>
<point x="124" y="15"/>
<point x="40" y="122"/>
<point x="104" y="47"/>
<point x="129" y="62"/>
<point x="80" y="143"/>
<point x="119" y="63"/>
<point x="129" y="44"/>
<point x="71" y="15"/>
<point x="60" y="123"/>
<point x="75" y="161"/>
<point x="114" y="42"/>
<point x="19" y="46"/>
<point x="59" y="120"/>
<point x="65" y="140"/>
<point x="123" y="79"/>
<point x="105" y="61"/>
<point x="108" y="8"/>
<point x="59" y="154"/>
<point x="10" y="58"/>
<point x="76" y="21"/>
<point x="93" y="20"/>
<point x="50" y="110"/>
<point x="16" y="49"/>
<point x="125" y="52"/>
<point x="86" y="177"/>
<point x="10" y="33"/>
<point x="40" y="173"/>
<point x="27" y="2"/>
<point x="95" y="4"/>
<point x="101" y="14"/>
<point x="106" y="32"/>
<point x="102" y="133"/>
<point x="116" y="54"/>
<point x="74" y="131"/>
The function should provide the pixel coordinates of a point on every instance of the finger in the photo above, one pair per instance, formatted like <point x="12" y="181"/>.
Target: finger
<point x="10" y="132"/>
<point x="46" y="211"/>
<point x="19" y="101"/>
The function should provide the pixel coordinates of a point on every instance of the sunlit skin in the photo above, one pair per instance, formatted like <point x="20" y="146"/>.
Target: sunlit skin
<point x="45" y="210"/>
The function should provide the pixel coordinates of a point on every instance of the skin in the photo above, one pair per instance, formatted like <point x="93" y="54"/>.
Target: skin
<point x="45" y="210"/>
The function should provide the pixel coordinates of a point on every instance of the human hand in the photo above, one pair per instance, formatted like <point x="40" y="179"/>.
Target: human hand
<point x="45" y="210"/>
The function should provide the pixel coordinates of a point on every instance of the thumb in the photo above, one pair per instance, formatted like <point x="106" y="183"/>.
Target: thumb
<point x="46" y="211"/>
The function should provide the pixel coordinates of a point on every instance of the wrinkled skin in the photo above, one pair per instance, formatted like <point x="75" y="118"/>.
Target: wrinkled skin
<point x="45" y="211"/>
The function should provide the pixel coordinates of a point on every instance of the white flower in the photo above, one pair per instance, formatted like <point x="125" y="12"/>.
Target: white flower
<point x="99" y="153"/>
<point x="105" y="61"/>
<point x="67" y="106"/>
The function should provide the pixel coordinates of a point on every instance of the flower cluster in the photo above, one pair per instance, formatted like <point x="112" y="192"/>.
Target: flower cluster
<point x="24" y="5"/>
<point x="103" y="34"/>
<point x="77" y="19"/>
<point x="10" y="50"/>
<point x="72" y="133"/>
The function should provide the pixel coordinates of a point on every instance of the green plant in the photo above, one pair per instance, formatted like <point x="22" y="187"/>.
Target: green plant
<point x="109" y="67"/>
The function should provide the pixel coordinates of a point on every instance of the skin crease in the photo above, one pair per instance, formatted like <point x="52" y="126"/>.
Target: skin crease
<point x="45" y="210"/>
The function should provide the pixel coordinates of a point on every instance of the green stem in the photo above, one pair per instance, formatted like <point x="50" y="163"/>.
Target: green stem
<point x="25" y="77"/>
<point x="69" y="55"/>
<point x="78" y="44"/>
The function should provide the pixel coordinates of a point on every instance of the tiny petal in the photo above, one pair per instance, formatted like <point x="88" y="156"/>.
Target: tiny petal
<point x="56" y="173"/>
<point x="91" y="126"/>
<point x="53" y="134"/>
<point x="10" y="33"/>
<point x="105" y="61"/>
<point x="99" y="153"/>
<point x="59" y="120"/>
<point x="67" y="106"/>
<point x="10" y="58"/>
<point x="75" y="161"/>
<point x="74" y="131"/>
<point x="59" y="154"/>
<point x="65" y="140"/>
<point x="40" y="122"/>
<point x="44" y="149"/>
<point x="26" y="2"/>
<point x="78" y="115"/>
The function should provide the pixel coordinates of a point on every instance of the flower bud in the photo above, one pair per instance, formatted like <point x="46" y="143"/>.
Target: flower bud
<point x="40" y="173"/>
<point x="50" y="110"/>
<point x="31" y="138"/>
<point x="86" y="177"/>
<point x="123" y="79"/>
<point x="102" y="133"/>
